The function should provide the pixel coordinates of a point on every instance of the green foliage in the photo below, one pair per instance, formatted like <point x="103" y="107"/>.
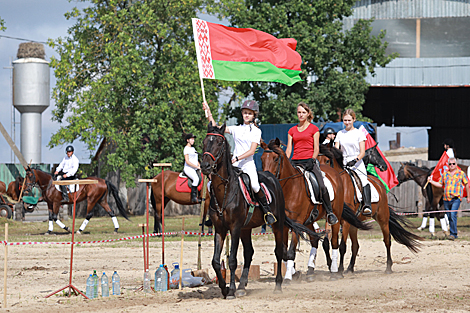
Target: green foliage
<point x="2" y="25"/>
<point x="126" y="72"/>
<point x="338" y="60"/>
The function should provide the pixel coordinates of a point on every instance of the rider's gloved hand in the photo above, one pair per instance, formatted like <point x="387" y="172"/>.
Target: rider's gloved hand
<point x="351" y="163"/>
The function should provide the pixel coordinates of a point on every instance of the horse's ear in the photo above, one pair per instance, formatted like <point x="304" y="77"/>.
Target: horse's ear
<point x="222" y="129"/>
<point x="209" y="127"/>
<point x="263" y="145"/>
<point x="277" y="142"/>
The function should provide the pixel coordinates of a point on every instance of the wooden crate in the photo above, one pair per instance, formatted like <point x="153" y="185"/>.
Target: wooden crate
<point x="254" y="273"/>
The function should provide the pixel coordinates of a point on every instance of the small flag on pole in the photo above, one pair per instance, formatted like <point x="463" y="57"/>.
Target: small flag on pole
<point x="244" y="54"/>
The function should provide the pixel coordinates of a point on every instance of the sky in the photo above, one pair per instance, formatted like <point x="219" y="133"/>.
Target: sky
<point x="40" y="20"/>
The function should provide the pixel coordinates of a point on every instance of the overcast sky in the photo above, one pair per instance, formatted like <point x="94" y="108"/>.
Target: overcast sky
<point x="40" y="20"/>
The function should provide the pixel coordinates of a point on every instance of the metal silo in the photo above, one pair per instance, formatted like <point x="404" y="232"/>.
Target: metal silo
<point x="31" y="84"/>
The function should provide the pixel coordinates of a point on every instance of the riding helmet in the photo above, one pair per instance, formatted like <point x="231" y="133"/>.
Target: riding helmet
<point x="328" y="131"/>
<point x="251" y="105"/>
<point x="189" y="136"/>
<point x="449" y="142"/>
<point x="68" y="149"/>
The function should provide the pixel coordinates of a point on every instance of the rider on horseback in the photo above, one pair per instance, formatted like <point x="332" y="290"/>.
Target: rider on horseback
<point x="191" y="165"/>
<point x="353" y="145"/>
<point x="305" y="138"/>
<point x="67" y="169"/>
<point x="247" y="137"/>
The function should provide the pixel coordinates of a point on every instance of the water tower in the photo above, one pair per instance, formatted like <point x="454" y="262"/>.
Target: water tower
<point x="31" y="81"/>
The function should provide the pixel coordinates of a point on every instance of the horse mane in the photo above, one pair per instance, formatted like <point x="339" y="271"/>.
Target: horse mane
<point x="332" y="153"/>
<point x="275" y="147"/>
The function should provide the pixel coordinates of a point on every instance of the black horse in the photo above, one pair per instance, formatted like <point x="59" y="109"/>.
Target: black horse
<point x="373" y="157"/>
<point x="229" y="211"/>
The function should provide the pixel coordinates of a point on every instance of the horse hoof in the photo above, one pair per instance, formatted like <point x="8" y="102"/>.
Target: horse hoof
<point x="78" y="232"/>
<point x="115" y="232"/>
<point x="335" y="276"/>
<point x="287" y="282"/>
<point x="240" y="293"/>
<point x="48" y="233"/>
<point x="310" y="279"/>
<point x="230" y="297"/>
<point x="388" y="271"/>
<point x="297" y="276"/>
<point x="277" y="291"/>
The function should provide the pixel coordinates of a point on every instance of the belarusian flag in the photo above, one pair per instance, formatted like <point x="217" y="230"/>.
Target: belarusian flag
<point x="244" y="54"/>
<point x="388" y="177"/>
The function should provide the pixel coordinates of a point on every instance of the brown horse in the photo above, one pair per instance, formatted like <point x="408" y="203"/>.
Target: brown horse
<point x="388" y="220"/>
<point x="299" y="206"/>
<point x="170" y="193"/>
<point x="229" y="211"/>
<point x="94" y="194"/>
<point x="3" y="187"/>
<point x="14" y="188"/>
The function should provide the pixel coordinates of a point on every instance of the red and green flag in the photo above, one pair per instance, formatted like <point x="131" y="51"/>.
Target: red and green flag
<point x="388" y="177"/>
<point x="244" y="54"/>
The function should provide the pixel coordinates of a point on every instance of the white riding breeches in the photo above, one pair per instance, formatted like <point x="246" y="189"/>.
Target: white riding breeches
<point x="250" y="169"/>
<point x="191" y="173"/>
<point x="361" y="171"/>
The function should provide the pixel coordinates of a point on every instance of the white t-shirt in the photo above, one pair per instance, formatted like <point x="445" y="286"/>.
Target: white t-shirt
<point x="450" y="153"/>
<point x="243" y="136"/>
<point x="349" y="142"/>
<point x="69" y="165"/>
<point x="191" y="152"/>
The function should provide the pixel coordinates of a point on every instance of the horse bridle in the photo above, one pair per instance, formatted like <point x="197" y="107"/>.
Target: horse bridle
<point x="278" y="167"/>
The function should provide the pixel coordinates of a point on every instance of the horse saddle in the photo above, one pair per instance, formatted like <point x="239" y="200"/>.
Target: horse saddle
<point x="184" y="183"/>
<point x="245" y="187"/>
<point x="374" y="194"/>
<point x="313" y="188"/>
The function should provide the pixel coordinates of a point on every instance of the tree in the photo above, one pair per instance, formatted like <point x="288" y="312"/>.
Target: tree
<point x="336" y="61"/>
<point x="2" y="24"/>
<point x="127" y="73"/>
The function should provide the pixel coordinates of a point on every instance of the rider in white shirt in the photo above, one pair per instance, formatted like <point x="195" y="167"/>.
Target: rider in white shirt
<point x="67" y="169"/>
<point x="191" y="165"/>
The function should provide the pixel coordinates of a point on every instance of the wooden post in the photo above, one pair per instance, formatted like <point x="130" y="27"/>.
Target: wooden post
<point x="418" y="38"/>
<point x="162" y="165"/>
<point x="204" y="184"/>
<point x="181" y="256"/>
<point x="5" y="268"/>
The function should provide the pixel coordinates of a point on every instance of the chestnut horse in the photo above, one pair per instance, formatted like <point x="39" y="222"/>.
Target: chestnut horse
<point x="94" y="194"/>
<point x="229" y="211"/>
<point x="170" y="193"/>
<point x="388" y="220"/>
<point x="299" y="206"/>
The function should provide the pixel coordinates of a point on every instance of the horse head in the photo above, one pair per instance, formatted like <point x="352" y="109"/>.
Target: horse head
<point x="215" y="145"/>
<point x="404" y="174"/>
<point x="375" y="158"/>
<point x="332" y="156"/>
<point x="273" y="157"/>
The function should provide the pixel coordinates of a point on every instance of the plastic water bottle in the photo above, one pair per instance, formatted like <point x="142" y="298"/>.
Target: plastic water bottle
<point x="104" y="286"/>
<point x="161" y="279"/>
<point x="116" y="284"/>
<point x="95" y="285"/>
<point x="147" y="281"/>
<point x="89" y="287"/>
<point x="176" y="268"/>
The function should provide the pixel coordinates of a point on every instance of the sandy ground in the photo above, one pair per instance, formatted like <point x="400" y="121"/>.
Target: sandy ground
<point x="436" y="279"/>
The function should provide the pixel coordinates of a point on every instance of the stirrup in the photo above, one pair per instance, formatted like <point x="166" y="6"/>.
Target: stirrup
<point x="267" y="217"/>
<point x="332" y="219"/>
<point x="64" y="200"/>
<point x="366" y="211"/>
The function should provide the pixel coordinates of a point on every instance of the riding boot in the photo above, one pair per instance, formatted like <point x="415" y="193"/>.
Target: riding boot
<point x="269" y="217"/>
<point x="65" y="195"/>
<point x="366" y="200"/>
<point x="194" y="192"/>
<point x="330" y="216"/>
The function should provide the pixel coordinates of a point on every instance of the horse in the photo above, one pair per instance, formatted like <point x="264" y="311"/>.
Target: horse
<point x="299" y="206"/>
<point x="170" y="193"/>
<point x="94" y="194"/>
<point x="373" y="156"/>
<point x="433" y="195"/>
<point x="14" y="188"/>
<point x="390" y="223"/>
<point x="229" y="211"/>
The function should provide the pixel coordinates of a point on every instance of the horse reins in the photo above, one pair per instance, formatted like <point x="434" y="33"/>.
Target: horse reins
<point x="278" y="167"/>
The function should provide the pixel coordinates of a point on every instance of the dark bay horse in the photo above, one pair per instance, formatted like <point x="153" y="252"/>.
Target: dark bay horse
<point x="229" y="211"/>
<point x="390" y="223"/>
<point x="373" y="156"/>
<point x="170" y="193"/>
<point x="94" y="194"/>
<point x="299" y="206"/>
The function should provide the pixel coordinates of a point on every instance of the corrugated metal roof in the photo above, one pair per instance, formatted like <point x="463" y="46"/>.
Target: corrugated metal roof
<point x="428" y="72"/>
<point x="398" y="9"/>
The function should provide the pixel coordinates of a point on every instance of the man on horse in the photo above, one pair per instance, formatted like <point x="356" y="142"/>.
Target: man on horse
<point x="67" y="170"/>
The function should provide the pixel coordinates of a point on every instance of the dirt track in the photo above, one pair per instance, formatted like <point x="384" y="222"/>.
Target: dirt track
<point x="436" y="279"/>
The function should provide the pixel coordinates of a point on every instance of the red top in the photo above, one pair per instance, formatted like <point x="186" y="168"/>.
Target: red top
<point x="303" y="142"/>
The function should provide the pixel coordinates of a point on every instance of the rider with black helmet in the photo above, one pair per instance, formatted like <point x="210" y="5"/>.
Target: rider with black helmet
<point x="67" y="169"/>
<point x="329" y="134"/>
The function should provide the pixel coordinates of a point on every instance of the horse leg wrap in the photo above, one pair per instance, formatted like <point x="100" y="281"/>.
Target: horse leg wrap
<point x="84" y="224"/>
<point x="431" y="225"/>
<point x="290" y="270"/>
<point x="443" y="224"/>
<point x="447" y="220"/>
<point x="423" y="224"/>
<point x="313" y="257"/>
<point x="115" y="222"/>
<point x="51" y="225"/>
<point x="334" y="260"/>
<point x="61" y="225"/>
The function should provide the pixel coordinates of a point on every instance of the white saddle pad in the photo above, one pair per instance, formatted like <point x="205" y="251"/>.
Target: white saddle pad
<point x="326" y="181"/>
<point x="72" y="188"/>
<point x="374" y="194"/>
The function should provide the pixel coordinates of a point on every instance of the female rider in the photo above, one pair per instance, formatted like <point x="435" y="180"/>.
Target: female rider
<point x="191" y="164"/>
<point x="247" y="137"/>
<point x="305" y="137"/>
<point x="352" y="142"/>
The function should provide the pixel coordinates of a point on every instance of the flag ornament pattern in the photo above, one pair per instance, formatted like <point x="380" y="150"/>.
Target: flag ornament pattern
<point x="244" y="54"/>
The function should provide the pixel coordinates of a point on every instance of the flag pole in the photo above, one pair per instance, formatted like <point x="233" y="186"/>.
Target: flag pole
<point x="203" y="94"/>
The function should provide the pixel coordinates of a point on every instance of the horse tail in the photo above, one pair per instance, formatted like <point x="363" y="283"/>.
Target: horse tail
<point x="349" y="216"/>
<point x="400" y="234"/>
<point x="300" y="229"/>
<point x="112" y="189"/>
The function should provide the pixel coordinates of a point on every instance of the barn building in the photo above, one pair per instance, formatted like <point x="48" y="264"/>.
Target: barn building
<point x="429" y="83"/>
